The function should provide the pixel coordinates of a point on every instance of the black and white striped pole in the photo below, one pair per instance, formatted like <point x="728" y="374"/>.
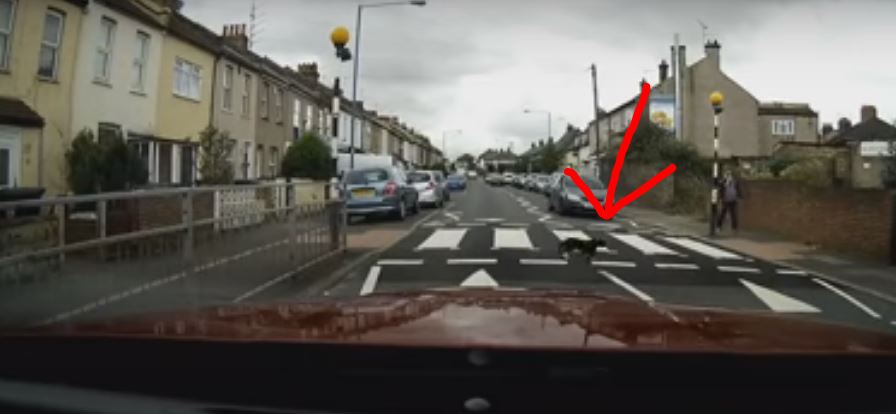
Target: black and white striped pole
<point x="716" y="99"/>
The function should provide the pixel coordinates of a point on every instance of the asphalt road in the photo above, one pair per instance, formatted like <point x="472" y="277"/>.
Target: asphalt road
<point x="505" y="237"/>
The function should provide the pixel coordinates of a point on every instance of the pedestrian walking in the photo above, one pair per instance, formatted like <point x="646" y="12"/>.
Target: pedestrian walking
<point x="729" y="188"/>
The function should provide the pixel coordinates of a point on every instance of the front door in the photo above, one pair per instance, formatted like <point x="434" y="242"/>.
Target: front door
<point x="10" y="154"/>
<point x="165" y="163"/>
<point x="186" y="165"/>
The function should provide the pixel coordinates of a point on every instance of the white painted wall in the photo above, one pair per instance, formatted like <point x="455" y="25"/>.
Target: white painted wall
<point x="115" y="103"/>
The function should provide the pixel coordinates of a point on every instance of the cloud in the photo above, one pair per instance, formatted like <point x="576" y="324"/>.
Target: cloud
<point x="476" y="64"/>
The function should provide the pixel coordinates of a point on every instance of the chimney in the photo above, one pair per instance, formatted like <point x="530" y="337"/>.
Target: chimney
<point x="826" y="129"/>
<point x="533" y="145"/>
<point x="664" y="70"/>
<point x="541" y="143"/>
<point x="868" y="112"/>
<point x="235" y="36"/>
<point x="843" y="124"/>
<point x="712" y="52"/>
<point x="309" y="71"/>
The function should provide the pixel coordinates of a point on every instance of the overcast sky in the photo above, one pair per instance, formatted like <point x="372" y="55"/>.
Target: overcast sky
<point x="476" y="65"/>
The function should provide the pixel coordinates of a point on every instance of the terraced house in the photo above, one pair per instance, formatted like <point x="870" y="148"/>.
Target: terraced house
<point x="272" y="129"/>
<point x="39" y="42"/>
<point x="234" y="110"/>
<point x="116" y="84"/>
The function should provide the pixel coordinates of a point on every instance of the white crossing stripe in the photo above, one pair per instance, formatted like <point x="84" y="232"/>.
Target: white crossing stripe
<point x="544" y="218"/>
<point x="370" y="282"/>
<point x="777" y="301"/>
<point x="571" y="234"/>
<point x="677" y="266"/>
<point x="849" y="298"/>
<point x="480" y="278"/>
<point x="472" y="261"/>
<point x="443" y="239"/>
<point x="399" y="262"/>
<point x="625" y="285"/>
<point x="612" y="264"/>
<point x="791" y="272"/>
<point x="553" y="262"/>
<point x="703" y="248"/>
<point x="452" y="216"/>
<point x="512" y="239"/>
<point x="737" y="269"/>
<point x="644" y="245"/>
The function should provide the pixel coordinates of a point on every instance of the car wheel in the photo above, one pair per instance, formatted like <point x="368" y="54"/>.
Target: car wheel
<point x="416" y="208"/>
<point x="402" y="211"/>
<point x="561" y="209"/>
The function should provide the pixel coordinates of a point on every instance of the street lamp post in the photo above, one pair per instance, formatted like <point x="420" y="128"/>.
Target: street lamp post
<point x="357" y="59"/>
<point x="715" y="99"/>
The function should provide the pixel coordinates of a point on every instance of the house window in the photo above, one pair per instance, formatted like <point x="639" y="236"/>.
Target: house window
<point x="782" y="127"/>
<point x="141" y="57"/>
<point x="275" y="161"/>
<point x="48" y="60"/>
<point x="7" y="8"/>
<point x="296" y="113"/>
<point x="263" y="101"/>
<point x="107" y="132"/>
<point x="259" y="160"/>
<point x="247" y="92"/>
<point x="308" y="117"/>
<point x="278" y="105"/>
<point x="103" y="69"/>
<point x="187" y="79"/>
<point x="227" y="84"/>
<point x="10" y="152"/>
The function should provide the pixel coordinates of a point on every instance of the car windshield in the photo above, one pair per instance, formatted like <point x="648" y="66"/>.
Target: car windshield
<point x="419" y="177"/>
<point x="363" y="177"/>
<point x="398" y="172"/>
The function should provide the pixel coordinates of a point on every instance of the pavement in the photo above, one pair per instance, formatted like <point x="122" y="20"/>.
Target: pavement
<point x="505" y="237"/>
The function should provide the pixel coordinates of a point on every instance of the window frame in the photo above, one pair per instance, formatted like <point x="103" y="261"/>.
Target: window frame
<point x="278" y="104"/>
<point x="778" y="131"/>
<point x="106" y="50"/>
<point x="246" y="101"/>
<point x="227" y="88"/>
<point x="141" y="60"/>
<point x="180" y="64"/>
<point x="55" y="47"/>
<point x="6" y="51"/>
<point x="263" y="103"/>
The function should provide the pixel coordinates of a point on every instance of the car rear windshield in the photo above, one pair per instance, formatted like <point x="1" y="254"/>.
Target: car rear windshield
<point x="419" y="177"/>
<point x="591" y="182"/>
<point x="455" y="178"/>
<point x="366" y="176"/>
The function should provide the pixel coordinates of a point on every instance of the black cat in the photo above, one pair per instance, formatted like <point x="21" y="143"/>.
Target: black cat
<point x="586" y="247"/>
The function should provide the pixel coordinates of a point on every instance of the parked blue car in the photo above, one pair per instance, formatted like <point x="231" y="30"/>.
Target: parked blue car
<point x="456" y="182"/>
<point x="383" y="190"/>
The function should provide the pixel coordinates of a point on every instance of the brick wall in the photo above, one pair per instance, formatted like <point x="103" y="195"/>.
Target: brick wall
<point x="849" y="220"/>
<point x="158" y="212"/>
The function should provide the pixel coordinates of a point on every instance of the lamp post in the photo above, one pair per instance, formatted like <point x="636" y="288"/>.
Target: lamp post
<point x="357" y="58"/>
<point x="715" y="99"/>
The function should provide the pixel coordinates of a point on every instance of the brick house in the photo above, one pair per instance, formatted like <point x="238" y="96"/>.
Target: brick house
<point x="869" y="142"/>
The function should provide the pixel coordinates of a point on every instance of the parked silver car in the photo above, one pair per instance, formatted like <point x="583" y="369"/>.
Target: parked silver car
<point x="565" y="197"/>
<point x="430" y="185"/>
<point x="383" y="190"/>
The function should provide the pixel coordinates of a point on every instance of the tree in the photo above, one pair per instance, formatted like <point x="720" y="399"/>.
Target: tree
<point x="467" y="159"/>
<point x="551" y="157"/>
<point x="214" y="163"/>
<point x="309" y="158"/>
<point x="110" y="165"/>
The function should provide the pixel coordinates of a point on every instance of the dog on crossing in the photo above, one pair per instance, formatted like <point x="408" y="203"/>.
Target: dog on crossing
<point x="587" y="248"/>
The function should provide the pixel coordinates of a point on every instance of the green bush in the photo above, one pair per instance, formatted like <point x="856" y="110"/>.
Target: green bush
<point x="308" y="158"/>
<point x="816" y="172"/>
<point x="652" y="144"/>
<point x="93" y="167"/>
<point x="778" y="165"/>
<point x="216" y="149"/>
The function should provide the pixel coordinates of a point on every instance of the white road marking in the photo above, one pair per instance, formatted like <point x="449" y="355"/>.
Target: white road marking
<point x="703" y="248"/>
<point x="791" y="272"/>
<point x="625" y="285"/>
<point x="632" y="222"/>
<point x="677" y="266"/>
<point x="600" y="263"/>
<point x="571" y="234"/>
<point x="560" y="225"/>
<point x="443" y="239"/>
<point x="515" y="224"/>
<point x="512" y="239"/>
<point x="480" y="278"/>
<point x="370" y="282"/>
<point x="546" y="262"/>
<point x="545" y="218"/>
<point x="777" y="301"/>
<point x="452" y="216"/>
<point x="848" y="297"/>
<point x="472" y="261"/>
<point x="644" y="245"/>
<point x="471" y="224"/>
<point x="738" y="269"/>
<point x="490" y="220"/>
<point x="434" y="224"/>
<point x="399" y="262"/>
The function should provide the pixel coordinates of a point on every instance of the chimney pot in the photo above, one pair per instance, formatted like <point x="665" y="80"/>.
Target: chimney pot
<point x="868" y="112"/>
<point x="664" y="70"/>
<point x="712" y="51"/>
<point x="843" y="124"/>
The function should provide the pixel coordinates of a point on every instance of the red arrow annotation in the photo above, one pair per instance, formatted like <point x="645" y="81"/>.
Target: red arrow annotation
<point x="610" y="209"/>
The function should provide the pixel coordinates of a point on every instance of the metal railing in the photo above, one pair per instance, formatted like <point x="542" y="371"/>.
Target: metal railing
<point x="56" y="253"/>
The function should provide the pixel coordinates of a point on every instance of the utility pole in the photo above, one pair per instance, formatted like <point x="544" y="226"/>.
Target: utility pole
<point x="596" y="108"/>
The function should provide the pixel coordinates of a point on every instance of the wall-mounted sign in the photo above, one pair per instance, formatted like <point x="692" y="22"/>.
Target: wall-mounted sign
<point x="662" y="111"/>
<point x="877" y="149"/>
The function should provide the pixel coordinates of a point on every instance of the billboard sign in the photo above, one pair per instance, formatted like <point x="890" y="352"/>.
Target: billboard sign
<point x="662" y="111"/>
